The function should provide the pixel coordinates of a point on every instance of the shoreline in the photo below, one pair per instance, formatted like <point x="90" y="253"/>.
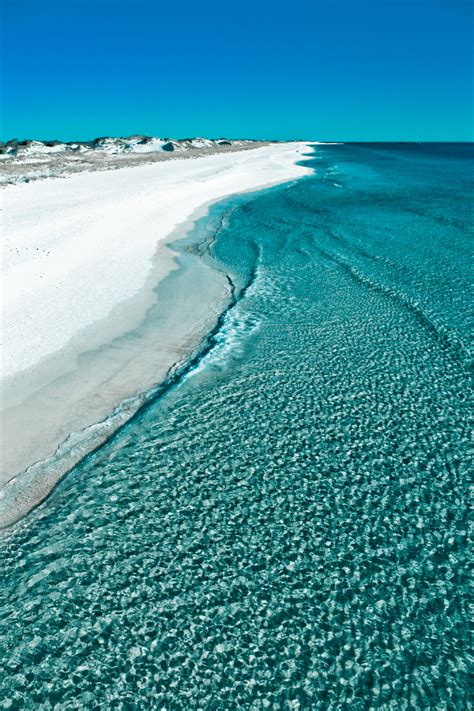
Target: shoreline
<point x="69" y="397"/>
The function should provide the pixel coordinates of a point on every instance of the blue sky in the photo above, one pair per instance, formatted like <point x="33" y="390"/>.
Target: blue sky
<point x="310" y="69"/>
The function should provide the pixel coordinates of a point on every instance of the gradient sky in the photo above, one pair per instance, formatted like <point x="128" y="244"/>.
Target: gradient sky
<point x="309" y="69"/>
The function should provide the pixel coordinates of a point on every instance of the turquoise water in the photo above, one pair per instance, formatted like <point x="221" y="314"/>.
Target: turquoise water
<point x="286" y="526"/>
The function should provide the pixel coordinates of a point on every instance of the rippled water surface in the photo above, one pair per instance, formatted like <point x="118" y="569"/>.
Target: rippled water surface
<point x="286" y="526"/>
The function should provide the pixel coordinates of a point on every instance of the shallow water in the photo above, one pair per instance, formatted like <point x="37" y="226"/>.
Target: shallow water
<point x="286" y="526"/>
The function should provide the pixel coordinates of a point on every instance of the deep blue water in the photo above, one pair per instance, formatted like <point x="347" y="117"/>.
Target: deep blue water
<point x="287" y="525"/>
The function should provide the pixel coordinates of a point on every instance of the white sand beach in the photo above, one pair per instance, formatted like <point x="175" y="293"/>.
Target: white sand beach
<point x="79" y="262"/>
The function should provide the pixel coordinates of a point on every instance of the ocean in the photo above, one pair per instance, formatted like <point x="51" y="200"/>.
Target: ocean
<point x="285" y="525"/>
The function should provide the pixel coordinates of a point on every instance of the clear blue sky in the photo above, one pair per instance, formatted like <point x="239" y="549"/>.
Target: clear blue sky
<point x="311" y="69"/>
